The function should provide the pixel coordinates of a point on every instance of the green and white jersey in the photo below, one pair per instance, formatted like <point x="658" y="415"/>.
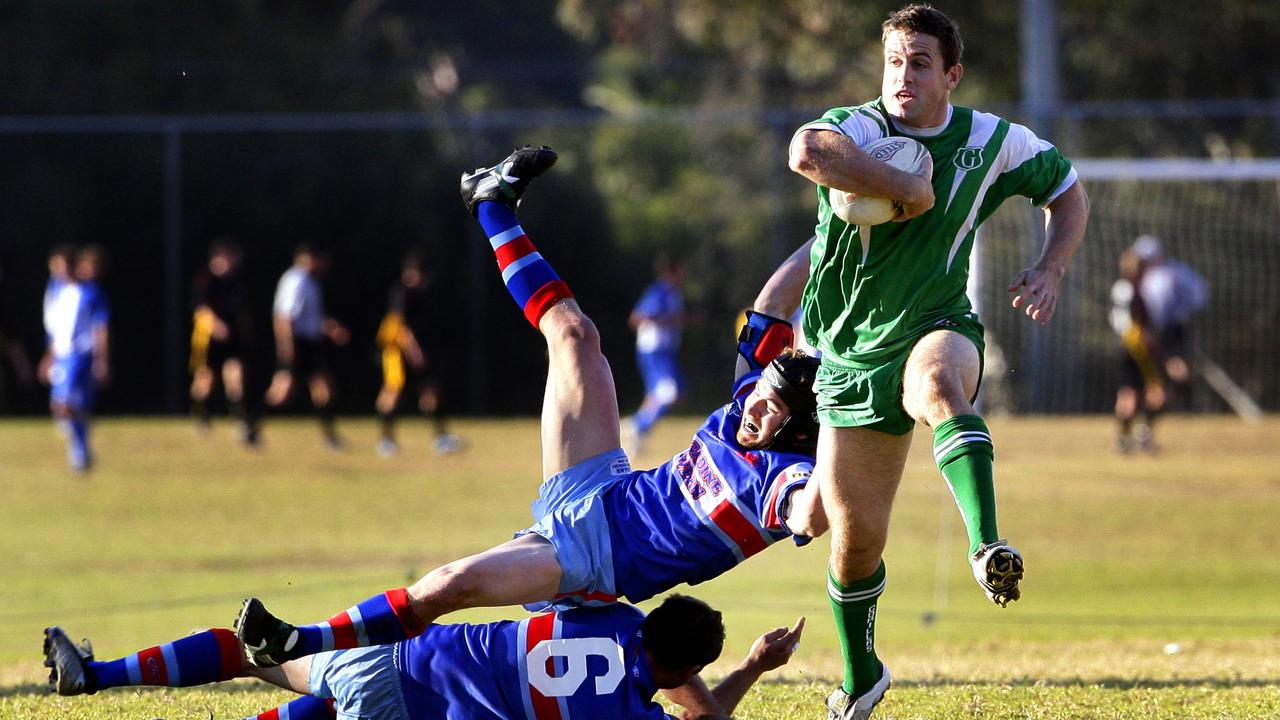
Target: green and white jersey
<point x="873" y="290"/>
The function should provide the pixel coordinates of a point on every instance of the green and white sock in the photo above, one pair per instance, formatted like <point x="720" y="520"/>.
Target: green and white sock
<point x="963" y="451"/>
<point x="854" y="608"/>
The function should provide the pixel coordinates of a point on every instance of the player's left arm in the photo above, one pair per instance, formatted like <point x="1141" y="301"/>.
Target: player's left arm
<point x="770" y="651"/>
<point x="766" y="333"/>
<point x="1036" y="288"/>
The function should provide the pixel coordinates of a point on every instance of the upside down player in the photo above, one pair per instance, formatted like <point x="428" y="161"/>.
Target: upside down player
<point x="604" y="531"/>
<point x="597" y="663"/>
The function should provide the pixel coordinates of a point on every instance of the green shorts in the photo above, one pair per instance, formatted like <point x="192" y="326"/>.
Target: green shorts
<point x="872" y="397"/>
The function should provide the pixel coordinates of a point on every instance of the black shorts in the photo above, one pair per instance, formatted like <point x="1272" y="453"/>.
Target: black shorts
<point x="310" y="357"/>
<point x="221" y="351"/>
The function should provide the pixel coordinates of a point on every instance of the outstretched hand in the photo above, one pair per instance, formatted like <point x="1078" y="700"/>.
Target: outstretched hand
<point x="1036" y="293"/>
<point x="774" y="649"/>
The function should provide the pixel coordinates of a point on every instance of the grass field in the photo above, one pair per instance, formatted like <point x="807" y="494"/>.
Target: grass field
<point x="1152" y="589"/>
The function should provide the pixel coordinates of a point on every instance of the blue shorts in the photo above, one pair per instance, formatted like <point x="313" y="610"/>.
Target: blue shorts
<point x="364" y="683"/>
<point x="661" y="375"/>
<point x="71" y="382"/>
<point x="569" y="513"/>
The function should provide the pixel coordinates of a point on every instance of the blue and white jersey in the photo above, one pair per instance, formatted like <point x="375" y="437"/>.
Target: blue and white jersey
<point x="580" y="664"/>
<point x="660" y="308"/>
<point x="72" y="311"/>
<point x="1172" y="292"/>
<point x="709" y="508"/>
<point x="298" y="297"/>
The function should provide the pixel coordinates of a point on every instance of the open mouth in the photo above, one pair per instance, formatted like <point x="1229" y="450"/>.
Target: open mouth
<point x="751" y="427"/>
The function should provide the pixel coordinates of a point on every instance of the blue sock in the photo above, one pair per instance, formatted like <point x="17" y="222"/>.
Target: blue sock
<point x="198" y="659"/>
<point x="532" y="282"/>
<point x="306" y="707"/>
<point x="381" y="620"/>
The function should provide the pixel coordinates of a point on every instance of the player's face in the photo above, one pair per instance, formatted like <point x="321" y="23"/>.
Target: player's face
<point x="763" y="414"/>
<point x="916" y="88"/>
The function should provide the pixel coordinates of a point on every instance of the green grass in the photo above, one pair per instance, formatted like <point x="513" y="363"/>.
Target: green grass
<point x="1124" y="555"/>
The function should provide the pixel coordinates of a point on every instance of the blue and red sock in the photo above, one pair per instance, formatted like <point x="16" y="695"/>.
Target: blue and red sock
<point x="306" y="707"/>
<point x="532" y="282"/>
<point x="198" y="659"/>
<point x="382" y="619"/>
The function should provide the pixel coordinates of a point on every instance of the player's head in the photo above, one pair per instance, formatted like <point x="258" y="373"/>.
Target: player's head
<point x="780" y="413"/>
<point x="681" y="636"/>
<point x="224" y="256"/>
<point x="922" y="50"/>
<point x="61" y="258"/>
<point x="666" y="265"/>
<point x="304" y="256"/>
<point x="1148" y="248"/>
<point x="413" y="269"/>
<point x="90" y="261"/>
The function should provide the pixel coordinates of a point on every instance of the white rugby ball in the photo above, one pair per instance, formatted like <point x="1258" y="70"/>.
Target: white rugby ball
<point x="902" y="153"/>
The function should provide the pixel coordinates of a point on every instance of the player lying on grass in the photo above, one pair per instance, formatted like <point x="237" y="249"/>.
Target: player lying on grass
<point x="602" y="530"/>
<point x="597" y="663"/>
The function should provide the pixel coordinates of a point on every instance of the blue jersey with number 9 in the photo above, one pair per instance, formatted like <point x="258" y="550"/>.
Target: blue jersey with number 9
<point x="585" y="663"/>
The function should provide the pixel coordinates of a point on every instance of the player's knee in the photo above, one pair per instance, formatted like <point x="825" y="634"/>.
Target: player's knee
<point x="445" y="589"/>
<point x="574" y="331"/>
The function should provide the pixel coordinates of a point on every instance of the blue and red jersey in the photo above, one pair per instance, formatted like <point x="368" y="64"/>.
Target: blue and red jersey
<point x="709" y="508"/>
<point x="580" y="664"/>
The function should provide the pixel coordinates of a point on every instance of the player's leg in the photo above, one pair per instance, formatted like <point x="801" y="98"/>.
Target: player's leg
<point x="430" y="405"/>
<point x="320" y="385"/>
<point x="72" y="401"/>
<point x="393" y="380"/>
<point x="939" y="381"/>
<point x="292" y="675"/>
<point x="858" y="470"/>
<point x="197" y="659"/>
<point x="201" y="388"/>
<point x="662" y="390"/>
<point x="518" y="571"/>
<point x="281" y="388"/>
<point x="580" y="406"/>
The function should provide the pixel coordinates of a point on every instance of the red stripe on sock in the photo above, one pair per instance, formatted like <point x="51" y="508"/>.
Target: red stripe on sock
<point x="272" y="714"/>
<point x="344" y="634"/>
<point x="152" y="668"/>
<point x="513" y="250"/>
<point x="409" y="622"/>
<point x="229" y="647"/>
<point x="543" y="299"/>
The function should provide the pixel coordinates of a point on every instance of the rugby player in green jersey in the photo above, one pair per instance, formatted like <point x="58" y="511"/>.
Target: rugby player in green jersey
<point x="887" y="307"/>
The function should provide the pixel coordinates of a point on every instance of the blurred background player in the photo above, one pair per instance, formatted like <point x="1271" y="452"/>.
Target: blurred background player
<point x="1152" y="303"/>
<point x="302" y="330"/>
<point x="609" y="663"/>
<point x="406" y="337"/>
<point x="220" y="329"/>
<point x="657" y="319"/>
<point x="76" y="359"/>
